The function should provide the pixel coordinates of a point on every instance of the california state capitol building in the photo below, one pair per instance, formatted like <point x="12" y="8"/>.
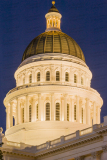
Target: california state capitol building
<point x="53" y="113"/>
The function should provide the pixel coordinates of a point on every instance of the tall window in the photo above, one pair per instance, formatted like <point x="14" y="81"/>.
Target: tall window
<point x="75" y="78"/>
<point x="30" y="113"/>
<point x="67" y="76"/>
<point x="82" y="115"/>
<point x="37" y="111"/>
<point x="38" y="76"/>
<point x="30" y="78"/>
<point x="22" y="115"/>
<point x="74" y="112"/>
<point x="47" y="111"/>
<point x="47" y="76"/>
<point x="23" y="80"/>
<point x="57" y="112"/>
<point x="82" y="82"/>
<point x="67" y="112"/>
<point x="57" y="76"/>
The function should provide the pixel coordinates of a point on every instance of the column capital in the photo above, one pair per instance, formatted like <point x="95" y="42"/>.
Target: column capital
<point x="34" y="98"/>
<point x="52" y="94"/>
<point x="11" y="102"/>
<point x="65" y="95"/>
<point x="78" y="97"/>
<point x="72" y="97"/>
<point x="96" y="154"/>
<point x="87" y="99"/>
<point x="39" y="95"/>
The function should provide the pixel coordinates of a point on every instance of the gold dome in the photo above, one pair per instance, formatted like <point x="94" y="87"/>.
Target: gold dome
<point x="53" y="42"/>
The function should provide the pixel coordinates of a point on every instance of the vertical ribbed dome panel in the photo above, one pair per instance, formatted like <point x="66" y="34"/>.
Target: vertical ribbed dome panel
<point x="53" y="42"/>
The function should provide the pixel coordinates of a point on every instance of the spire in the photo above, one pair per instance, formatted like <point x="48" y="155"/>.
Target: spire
<point x="53" y="18"/>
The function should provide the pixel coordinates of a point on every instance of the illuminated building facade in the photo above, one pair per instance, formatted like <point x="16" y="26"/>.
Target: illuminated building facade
<point x="53" y="98"/>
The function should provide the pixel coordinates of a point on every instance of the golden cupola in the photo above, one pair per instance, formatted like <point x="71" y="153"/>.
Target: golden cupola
<point x="53" y="18"/>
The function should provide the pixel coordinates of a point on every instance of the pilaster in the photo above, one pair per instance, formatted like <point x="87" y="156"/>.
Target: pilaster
<point x="87" y="112"/>
<point x="27" y="109"/>
<point x="39" y="107"/>
<point x="72" y="108"/>
<point x="78" y="109"/>
<point x="65" y="107"/>
<point x="94" y="116"/>
<point x="52" y="107"/>
<point x="11" y="114"/>
<point x="104" y="153"/>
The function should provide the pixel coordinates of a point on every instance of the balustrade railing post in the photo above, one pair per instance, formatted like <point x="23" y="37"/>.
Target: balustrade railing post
<point x="48" y="144"/>
<point x="77" y="134"/>
<point x="62" y="139"/>
<point x="95" y="126"/>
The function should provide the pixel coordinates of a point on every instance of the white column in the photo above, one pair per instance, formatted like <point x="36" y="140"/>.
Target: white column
<point x="62" y="74"/>
<point x="33" y="75"/>
<point x="34" y="110"/>
<point x="26" y="78"/>
<point x="53" y="76"/>
<point x="65" y="107"/>
<point x="27" y="109"/>
<point x="39" y="107"/>
<point x="72" y="107"/>
<point x="52" y="107"/>
<point x="42" y="78"/>
<point x="104" y="154"/>
<point x="70" y="111"/>
<point x="17" y="111"/>
<point x="42" y="109"/>
<point x="11" y="114"/>
<point x="87" y="112"/>
<point x="94" y="115"/>
<point x="62" y="106"/>
<point x="84" y="110"/>
<point x="7" y="117"/>
<point x="78" y="109"/>
<point x="98" y="115"/>
<point x="96" y="155"/>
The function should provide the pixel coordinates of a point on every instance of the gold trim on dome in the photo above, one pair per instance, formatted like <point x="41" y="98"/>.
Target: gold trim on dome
<point x="53" y="42"/>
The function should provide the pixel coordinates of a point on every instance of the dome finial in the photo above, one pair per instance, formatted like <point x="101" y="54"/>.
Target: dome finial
<point x="53" y="2"/>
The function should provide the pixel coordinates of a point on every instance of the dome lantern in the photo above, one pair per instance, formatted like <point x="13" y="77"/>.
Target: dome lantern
<point x="53" y="18"/>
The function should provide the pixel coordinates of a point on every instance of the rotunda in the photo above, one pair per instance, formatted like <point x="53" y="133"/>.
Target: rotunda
<point x="53" y="94"/>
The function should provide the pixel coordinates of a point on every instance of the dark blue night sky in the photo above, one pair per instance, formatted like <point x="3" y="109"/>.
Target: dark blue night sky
<point x="22" y="20"/>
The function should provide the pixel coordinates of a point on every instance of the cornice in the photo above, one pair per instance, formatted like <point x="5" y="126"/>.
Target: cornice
<point x="48" y="88"/>
<point x="17" y="152"/>
<point x="89" y="139"/>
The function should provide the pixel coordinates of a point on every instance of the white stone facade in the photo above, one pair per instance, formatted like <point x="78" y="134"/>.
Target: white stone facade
<point x="69" y="90"/>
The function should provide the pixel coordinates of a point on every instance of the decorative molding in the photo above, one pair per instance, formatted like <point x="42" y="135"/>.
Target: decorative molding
<point x="104" y="148"/>
<point x="96" y="154"/>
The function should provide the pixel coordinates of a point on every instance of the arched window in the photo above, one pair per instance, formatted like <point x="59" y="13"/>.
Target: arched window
<point x="74" y="112"/>
<point x="66" y="76"/>
<point x="37" y="111"/>
<point x="30" y="78"/>
<point x="47" y="76"/>
<point x="57" y="112"/>
<point x="75" y="78"/>
<point x="22" y="115"/>
<point x="23" y="80"/>
<point x="30" y="113"/>
<point x="47" y="111"/>
<point x="82" y="82"/>
<point x="38" y="76"/>
<point x="82" y="115"/>
<point x="57" y="76"/>
<point x="67" y="112"/>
